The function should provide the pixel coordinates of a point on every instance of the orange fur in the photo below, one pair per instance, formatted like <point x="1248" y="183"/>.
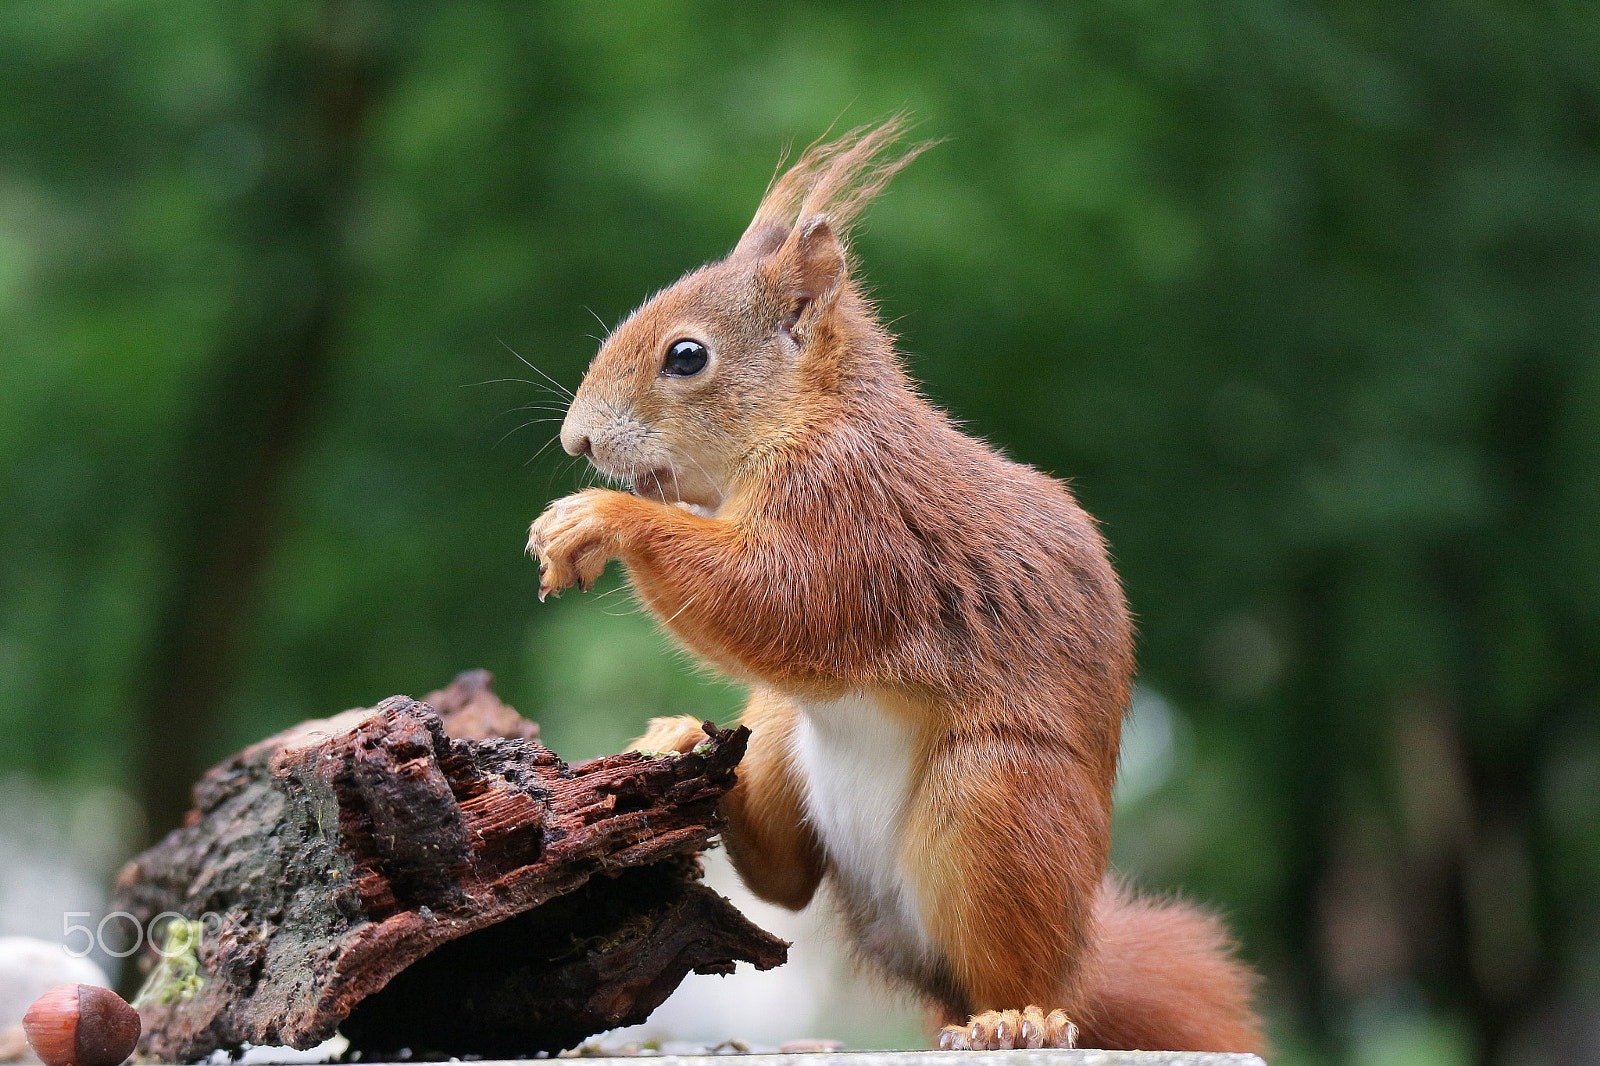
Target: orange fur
<point x="1163" y="975"/>
<point x="767" y="837"/>
<point x="803" y="520"/>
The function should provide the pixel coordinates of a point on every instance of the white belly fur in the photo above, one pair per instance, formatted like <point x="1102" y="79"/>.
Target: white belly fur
<point x="856" y="759"/>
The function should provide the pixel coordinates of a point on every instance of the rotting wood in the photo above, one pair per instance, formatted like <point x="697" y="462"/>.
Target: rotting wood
<point x="425" y="875"/>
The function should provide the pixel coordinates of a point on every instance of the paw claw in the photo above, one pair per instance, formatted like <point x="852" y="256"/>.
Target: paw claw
<point x="1006" y="1030"/>
<point x="572" y="542"/>
<point x="1031" y="1035"/>
<point x="1010" y="1029"/>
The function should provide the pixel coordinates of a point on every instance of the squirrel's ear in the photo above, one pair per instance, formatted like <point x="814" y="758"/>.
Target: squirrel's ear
<point x="810" y="267"/>
<point x="761" y="239"/>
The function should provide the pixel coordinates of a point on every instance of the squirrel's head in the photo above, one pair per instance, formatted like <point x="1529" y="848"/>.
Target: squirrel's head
<point x="716" y="371"/>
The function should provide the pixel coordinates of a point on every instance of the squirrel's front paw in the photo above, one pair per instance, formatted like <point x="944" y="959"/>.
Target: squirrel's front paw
<point x="680" y="733"/>
<point x="1003" y="1030"/>
<point x="572" y="542"/>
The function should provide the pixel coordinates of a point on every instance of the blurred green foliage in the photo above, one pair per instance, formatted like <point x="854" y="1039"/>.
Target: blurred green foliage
<point x="1303" y="297"/>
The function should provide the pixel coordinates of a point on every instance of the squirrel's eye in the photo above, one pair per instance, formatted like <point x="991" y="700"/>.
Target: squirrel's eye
<point x="685" y="359"/>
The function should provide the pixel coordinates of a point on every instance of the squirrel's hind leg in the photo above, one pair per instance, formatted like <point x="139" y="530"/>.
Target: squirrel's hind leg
<point x="1007" y="844"/>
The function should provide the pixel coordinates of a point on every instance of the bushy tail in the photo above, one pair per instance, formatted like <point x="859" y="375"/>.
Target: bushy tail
<point x="1165" y="979"/>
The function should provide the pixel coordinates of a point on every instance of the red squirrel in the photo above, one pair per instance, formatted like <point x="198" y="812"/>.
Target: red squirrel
<point x="938" y="650"/>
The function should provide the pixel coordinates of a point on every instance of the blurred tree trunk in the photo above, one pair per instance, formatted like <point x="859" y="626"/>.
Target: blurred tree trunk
<point x="1509" y="924"/>
<point x="257" y="407"/>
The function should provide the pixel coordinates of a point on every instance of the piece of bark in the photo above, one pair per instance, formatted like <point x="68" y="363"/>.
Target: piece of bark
<point x="471" y="711"/>
<point x="371" y="872"/>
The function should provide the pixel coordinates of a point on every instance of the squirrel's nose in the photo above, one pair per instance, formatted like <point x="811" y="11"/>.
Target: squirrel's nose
<point x="576" y="442"/>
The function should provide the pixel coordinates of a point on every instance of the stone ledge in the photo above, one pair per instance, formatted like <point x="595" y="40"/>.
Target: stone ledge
<point x="264" y="1056"/>
<point x="1076" y="1057"/>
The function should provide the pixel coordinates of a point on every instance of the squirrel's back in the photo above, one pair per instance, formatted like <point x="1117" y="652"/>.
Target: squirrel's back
<point x="972" y="570"/>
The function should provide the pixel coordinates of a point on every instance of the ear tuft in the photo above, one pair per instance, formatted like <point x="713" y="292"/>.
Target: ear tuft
<point x="837" y="179"/>
<point x="800" y="230"/>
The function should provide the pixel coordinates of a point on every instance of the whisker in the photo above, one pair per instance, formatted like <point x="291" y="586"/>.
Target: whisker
<point x="721" y="491"/>
<point x="562" y="388"/>
<point x="681" y="609"/>
<point x="610" y="592"/>
<point x="550" y="481"/>
<point x="541" y="450"/>
<point x="636" y="609"/>
<point x="524" y="425"/>
<point x="502" y="381"/>
<point x="562" y="470"/>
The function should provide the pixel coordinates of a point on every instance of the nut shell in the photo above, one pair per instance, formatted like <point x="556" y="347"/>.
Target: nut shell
<point x="81" y="1025"/>
<point x="51" y="1026"/>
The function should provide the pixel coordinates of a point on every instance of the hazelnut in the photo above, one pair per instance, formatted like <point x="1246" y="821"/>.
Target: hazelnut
<point x="81" y="1025"/>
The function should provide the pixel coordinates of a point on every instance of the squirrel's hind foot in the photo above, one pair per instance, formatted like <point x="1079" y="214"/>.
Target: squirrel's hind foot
<point x="1005" y="1030"/>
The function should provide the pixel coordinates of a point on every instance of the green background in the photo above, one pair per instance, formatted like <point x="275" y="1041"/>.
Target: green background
<point x="1304" y="298"/>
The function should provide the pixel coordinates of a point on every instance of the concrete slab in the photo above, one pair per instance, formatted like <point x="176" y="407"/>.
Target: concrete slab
<point x="1077" y="1057"/>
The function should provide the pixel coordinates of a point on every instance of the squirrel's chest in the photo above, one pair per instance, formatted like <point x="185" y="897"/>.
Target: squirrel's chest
<point x="857" y="763"/>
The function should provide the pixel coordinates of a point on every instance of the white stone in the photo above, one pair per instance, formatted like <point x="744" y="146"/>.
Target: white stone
<point x="29" y="968"/>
